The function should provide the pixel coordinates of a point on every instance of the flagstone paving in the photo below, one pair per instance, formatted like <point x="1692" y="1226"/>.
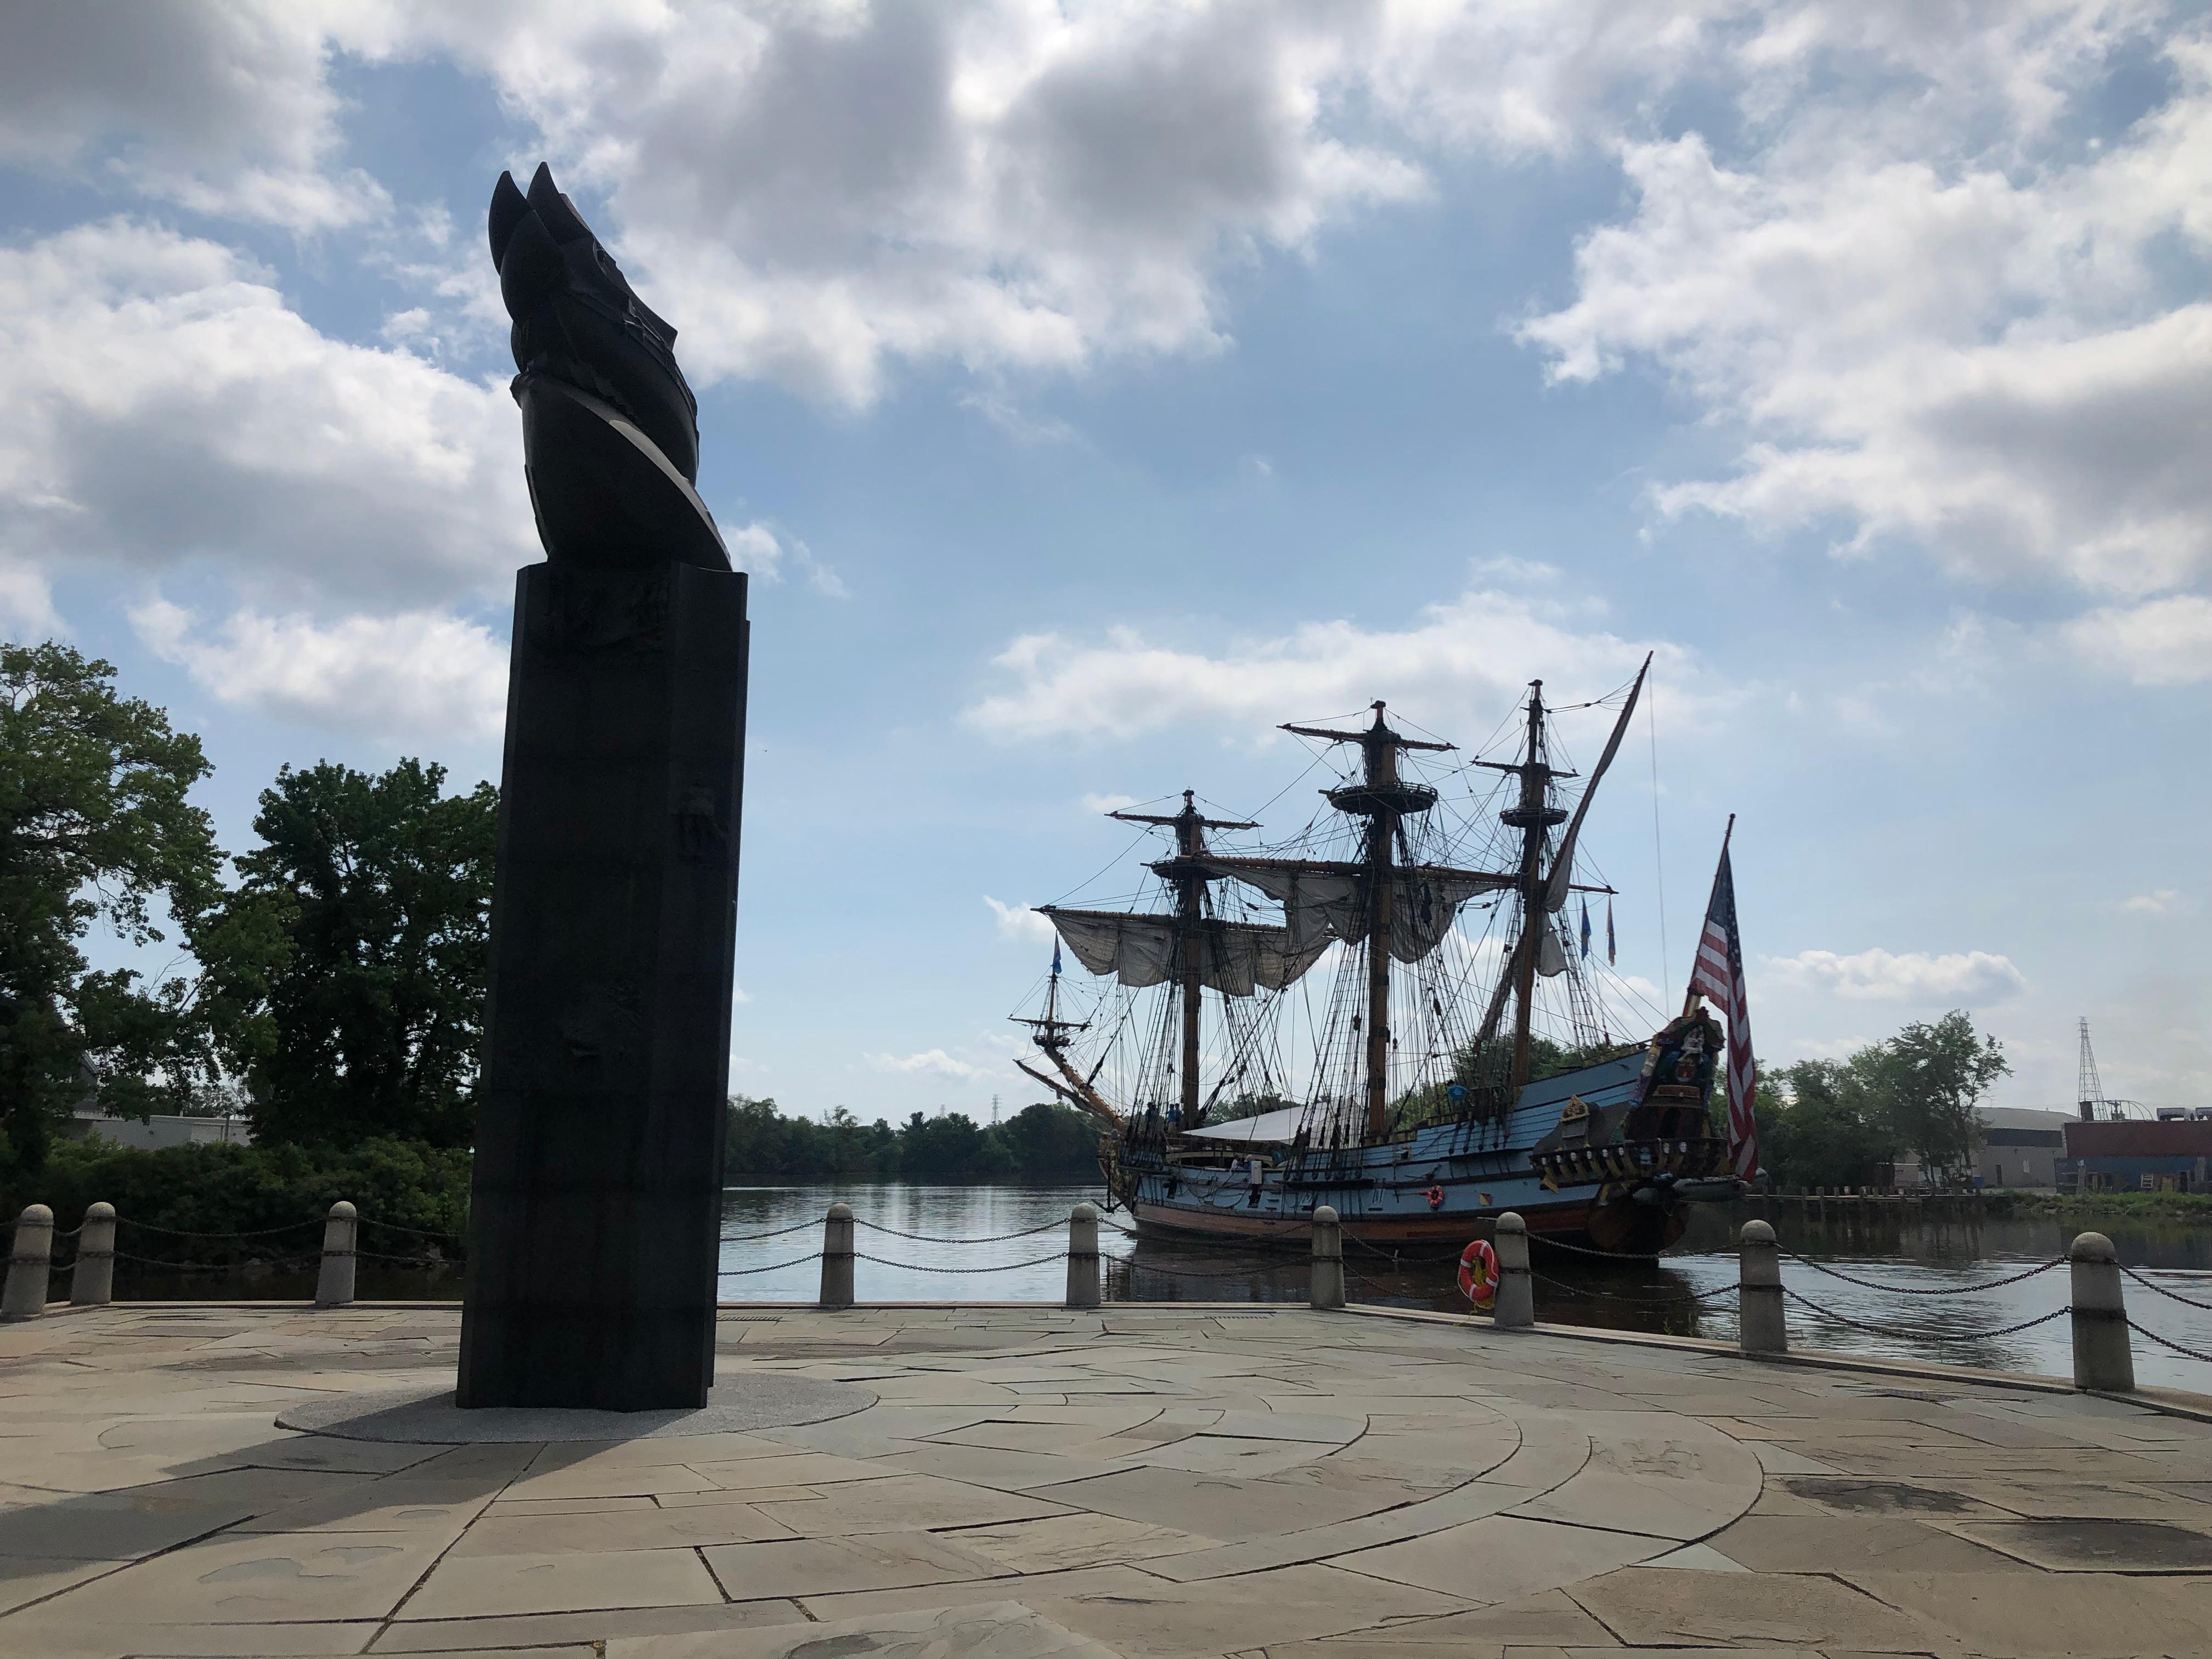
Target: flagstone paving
<point x="1136" y="1481"/>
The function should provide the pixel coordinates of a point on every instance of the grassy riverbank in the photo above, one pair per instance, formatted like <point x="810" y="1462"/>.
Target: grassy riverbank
<point x="2090" y="1208"/>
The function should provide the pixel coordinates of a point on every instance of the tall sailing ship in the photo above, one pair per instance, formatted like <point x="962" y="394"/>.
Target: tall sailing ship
<point x="1465" y="1060"/>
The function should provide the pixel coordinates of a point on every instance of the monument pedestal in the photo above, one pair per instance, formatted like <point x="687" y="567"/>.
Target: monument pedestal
<point x="597" y="1197"/>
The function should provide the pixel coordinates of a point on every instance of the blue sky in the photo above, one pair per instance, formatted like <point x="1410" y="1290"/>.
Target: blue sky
<point x="1091" y="387"/>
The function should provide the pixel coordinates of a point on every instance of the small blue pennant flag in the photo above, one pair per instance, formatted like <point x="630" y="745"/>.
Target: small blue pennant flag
<point x="1055" y="959"/>
<point x="1612" y="956"/>
<point x="1586" y="930"/>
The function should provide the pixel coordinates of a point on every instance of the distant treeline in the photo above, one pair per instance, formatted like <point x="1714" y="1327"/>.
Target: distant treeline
<point x="1042" y="1143"/>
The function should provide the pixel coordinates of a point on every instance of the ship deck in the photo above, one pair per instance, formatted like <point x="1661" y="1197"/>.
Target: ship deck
<point x="1137" y="1480"/>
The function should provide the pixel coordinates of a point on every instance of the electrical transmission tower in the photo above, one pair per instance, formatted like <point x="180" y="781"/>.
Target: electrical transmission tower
<point x="2089" y="1094"/>
<point x="2088" y="1088"/>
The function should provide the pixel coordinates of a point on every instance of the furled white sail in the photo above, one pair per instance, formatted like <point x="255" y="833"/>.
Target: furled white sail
<point x="1551" y="955"/>
<point x="1235" y="958"/>
<point x="1563" y="863"/>
<point x="1317" y="905"/>
<point x="1320" y="905"/>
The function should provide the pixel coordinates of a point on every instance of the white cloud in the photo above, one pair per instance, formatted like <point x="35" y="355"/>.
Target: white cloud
<point x="1462" y="665"/>
<point x="759" y="551"/>
<point x="933" y="1062"/>
<point x="1015" y="423"/>
<point x="1933" y="314"/>
<point x="1018" y="921"/>
<point x="26" y="600"/>
<point x="2165" y="641"/>
<point x="166" y="405"/>
<point x="1877" y="975"/>
<point x="1831" y="1048"/>
<point x="225" y="109"/>
<point x="2164" y="902"/>
<point x="1104" y="803"/>
<point x="419" y="677"/>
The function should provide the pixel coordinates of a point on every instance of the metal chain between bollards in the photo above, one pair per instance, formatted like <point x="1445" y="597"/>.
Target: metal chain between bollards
<point x="985" y="1238"/>
<point x="2153" y="1284"/>
<point x="740" y="1272"/>
<point x="416" y="1232"/>
<point x="1939" y="1290"/>
<point x="748" y="1238"/>
<point x="995" y="1267"/>
<point x="2167" y="1342"/>
<point x="1675" y="1299"/>
<point x="178" y="1233"/>
<point x="279" y="1264"/>
<point x="1924" y="1336"/>
<point x="1584" y="1250"/>
<point x="1135" y="1266"/>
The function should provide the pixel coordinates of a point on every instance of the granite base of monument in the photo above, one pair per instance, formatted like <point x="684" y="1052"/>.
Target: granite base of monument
<point x="595" y="1202"/>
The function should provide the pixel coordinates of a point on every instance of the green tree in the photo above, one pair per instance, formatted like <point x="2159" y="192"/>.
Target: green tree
<point x="345" y="975"/>
<point x="951" y="1147"/>
<point x="1836" y="1129"/>
<point x="1051" y="1142"/>
<point x="1937" y="1075"/>
<point x="94" y="827"/>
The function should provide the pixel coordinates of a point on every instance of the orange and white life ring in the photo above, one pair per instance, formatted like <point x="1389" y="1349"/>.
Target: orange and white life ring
<point x="1436" y="1197"/>
<point x="1478" y="1273"/>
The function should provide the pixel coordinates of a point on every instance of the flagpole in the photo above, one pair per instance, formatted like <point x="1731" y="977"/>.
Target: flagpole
<point x="1690" y="997"/>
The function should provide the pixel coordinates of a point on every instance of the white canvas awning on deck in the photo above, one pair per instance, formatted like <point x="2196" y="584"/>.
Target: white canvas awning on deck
<point x="1269" y="1127"/>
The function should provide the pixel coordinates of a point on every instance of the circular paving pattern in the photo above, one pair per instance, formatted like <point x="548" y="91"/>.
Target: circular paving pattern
<point x="429" y="1417"/>
<point x="1133" y="1482"/>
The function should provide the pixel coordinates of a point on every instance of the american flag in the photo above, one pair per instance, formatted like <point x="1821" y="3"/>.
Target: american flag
<point x="1719" y="974"/>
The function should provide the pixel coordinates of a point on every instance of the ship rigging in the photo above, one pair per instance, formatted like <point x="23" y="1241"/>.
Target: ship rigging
<point x="1427" y="1047"/>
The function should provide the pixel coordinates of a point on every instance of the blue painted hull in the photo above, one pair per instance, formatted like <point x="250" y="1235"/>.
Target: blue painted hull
<point x="1388" y="1193"/>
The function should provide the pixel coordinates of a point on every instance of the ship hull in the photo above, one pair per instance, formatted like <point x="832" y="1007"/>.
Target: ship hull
<point x="1436" y="1188"/>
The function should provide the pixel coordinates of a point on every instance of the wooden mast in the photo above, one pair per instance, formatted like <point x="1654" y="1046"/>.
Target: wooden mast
<point x="1379" y="758"/>
<point x="1188" y="872"/>
<point x="1532" y="816"/>
<point x="1530" y="811"/>
<point x="1382" y="799"/>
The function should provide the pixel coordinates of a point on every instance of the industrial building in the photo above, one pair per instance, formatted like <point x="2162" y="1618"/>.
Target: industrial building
<point x="2171" y="1153"/>
<point x="2020" y="1148"/>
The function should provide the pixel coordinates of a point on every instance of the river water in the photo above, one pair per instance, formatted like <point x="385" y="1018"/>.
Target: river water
<point x="924" y="1243"/>
<point x="1574" y="1289"/>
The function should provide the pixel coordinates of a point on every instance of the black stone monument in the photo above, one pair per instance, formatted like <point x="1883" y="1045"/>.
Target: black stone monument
<point x="596" y="1207"/>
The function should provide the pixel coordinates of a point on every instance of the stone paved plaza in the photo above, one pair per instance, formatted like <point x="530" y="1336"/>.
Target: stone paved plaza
<point x="1137" y="1482"/>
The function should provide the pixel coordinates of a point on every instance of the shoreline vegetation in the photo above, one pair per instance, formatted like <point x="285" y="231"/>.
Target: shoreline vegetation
<point x="1045" y="1143"/>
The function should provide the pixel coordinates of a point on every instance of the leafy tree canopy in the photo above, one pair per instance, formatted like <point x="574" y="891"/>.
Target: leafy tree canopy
<point x="94" y="828"/>
<point x="1914" y="1094"/>
<point x="1044" y="1142"/>
<point x="345" y="975"/>
<point x="1938" y="1074"/>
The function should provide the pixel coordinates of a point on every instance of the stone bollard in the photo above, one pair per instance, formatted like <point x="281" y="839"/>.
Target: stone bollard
<point x="334" y="1284"/>
<point x="1762" y="1322"/>
<point x="92" y="1282"/>
<point x="2102" y="1357"/>
<point x="28" y="1264"/>
<point x="1083" y="1256"/>
<point x="1325" y="1289"/>
<point x="838" y="1257"/>
<point x="1516" y="1308"/>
